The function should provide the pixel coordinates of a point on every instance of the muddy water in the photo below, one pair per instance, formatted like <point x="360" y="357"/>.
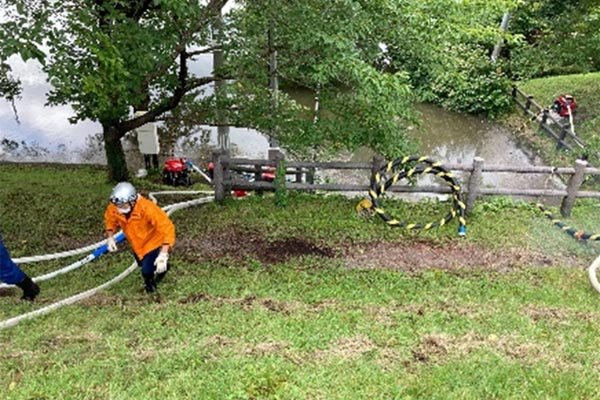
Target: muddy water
<point x="446" y="136"/>
<point x="457" y="138"/>
<point x="454" y="138"/>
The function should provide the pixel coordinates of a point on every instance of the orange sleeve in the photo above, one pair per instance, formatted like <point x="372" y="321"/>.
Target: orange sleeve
<point x="162" y="223"/>
<point x="110" y="222"/>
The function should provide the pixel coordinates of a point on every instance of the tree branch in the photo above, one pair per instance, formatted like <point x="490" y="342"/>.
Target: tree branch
<point x="185" y="84"/>
<point x="167" y="105"/>
<point x="197" y="82"/>
<point x="190" y="54"/>
<point x="213" y="7"/>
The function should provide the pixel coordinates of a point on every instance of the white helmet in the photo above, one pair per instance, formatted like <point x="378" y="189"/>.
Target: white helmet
<point x="123" y="192"/>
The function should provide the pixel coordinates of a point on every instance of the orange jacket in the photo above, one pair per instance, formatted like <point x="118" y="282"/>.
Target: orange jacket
<point x="147" y="228"/>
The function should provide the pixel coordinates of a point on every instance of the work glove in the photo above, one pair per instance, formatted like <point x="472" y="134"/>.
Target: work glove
<point x="161" y="262"/>
<point x="111" y="244"/>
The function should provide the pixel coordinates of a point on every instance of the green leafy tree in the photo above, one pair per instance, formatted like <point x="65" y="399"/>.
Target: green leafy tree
<point x="21" y="34"/>
<point x="325" y="47"/>
<point x="104" y="57"/>
<point x="445" y="46"/>
<point x="561" y="37"/>
<point x="362" y="59"/>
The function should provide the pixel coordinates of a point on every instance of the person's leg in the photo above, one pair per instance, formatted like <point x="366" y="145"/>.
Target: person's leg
<point x="139" y="263"/>
<point x="148" y="269"/>
<point x="160" y="277"/>
<point x="11" y="274"/>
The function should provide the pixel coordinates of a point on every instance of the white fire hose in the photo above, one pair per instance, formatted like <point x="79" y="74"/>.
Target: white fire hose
<point x="100" y="248"/>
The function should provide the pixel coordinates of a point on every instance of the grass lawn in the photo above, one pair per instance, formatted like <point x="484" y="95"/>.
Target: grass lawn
<point x="310" y="301"/>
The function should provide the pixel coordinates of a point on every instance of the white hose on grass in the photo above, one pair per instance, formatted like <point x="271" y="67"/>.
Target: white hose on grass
<point x="592" y="270"/>
<point x="571" y="121"/>
<point x="152" y="195"/>
<point x="89" y="293"/>
<point x="90" y="257"/>
<point x="46" y="257"/>
<point x="119" y="237"/>
<point x="69" y="300"/>
<point x="75" y="252"/>
<point x="56" y="273"/>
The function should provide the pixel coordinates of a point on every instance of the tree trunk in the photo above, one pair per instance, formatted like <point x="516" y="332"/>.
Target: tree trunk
<point x="115" y="156"/>
<point x="273" y="85"/>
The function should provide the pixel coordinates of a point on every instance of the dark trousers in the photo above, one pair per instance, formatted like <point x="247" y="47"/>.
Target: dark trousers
<point x="9" y="271"/>
<point x="147" y="263"/>
<point x="148" y="269"/>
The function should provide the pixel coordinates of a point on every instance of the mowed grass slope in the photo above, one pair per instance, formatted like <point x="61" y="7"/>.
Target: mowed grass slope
<point x="586" y="90"/>
<point x="261" y="303"/>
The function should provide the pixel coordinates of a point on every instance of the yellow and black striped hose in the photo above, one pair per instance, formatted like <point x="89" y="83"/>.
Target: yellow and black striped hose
<point x="577" y="234"/>
<point x="408" y="167"/>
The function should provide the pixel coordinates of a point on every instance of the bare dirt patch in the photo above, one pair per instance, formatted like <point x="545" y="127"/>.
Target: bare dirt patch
<point x="266" y="348"/>
<point x="411" y="255"/>
<point x="8" y="292"/>
<point x="101" y="299"/>
<point x="240" y="245"/>
<point x="415" y="256"/>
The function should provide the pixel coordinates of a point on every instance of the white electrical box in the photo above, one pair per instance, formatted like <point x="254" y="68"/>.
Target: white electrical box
<point x="147" y="136"/>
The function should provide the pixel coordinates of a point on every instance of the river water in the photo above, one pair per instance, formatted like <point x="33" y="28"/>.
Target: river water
<point x="454" y="138"/>
<point x="444" y="135"/>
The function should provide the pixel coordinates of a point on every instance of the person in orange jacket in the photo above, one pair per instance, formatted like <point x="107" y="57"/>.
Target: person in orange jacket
<point x="148" y="229"/>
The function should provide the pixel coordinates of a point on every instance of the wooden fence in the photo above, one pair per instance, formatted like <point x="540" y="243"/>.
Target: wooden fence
<point x="303" y="172"/>
<point x="560" y="132"/>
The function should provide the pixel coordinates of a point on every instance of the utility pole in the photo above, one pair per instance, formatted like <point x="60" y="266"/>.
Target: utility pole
<point x="274" y="86"/>
<point x="316" y="112"/>
<point x="218" y="62"/>
<point x="503" y="28"/>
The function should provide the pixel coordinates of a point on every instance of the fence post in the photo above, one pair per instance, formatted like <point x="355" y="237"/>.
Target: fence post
<point x="258" y="178"/>
<point x="528" y="104"/>
<point x="298" y="175"/>
<point x="544" y="117"/>
<point x="474" y="183"/>
<point x="514" y="92"/>
<point x="561" y="138"/>
<point x="572" y="188"/>
<point x="310" y="175"/>
<point x="257" y="172"/>
<point x="218" y="176"/>
<point x="279" y="183"/>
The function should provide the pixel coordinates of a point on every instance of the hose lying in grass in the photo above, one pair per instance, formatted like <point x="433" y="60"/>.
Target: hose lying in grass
<point x="77" y="264"/>
<point x="577" y="235"/>
<point x="89" y="293"/>
<point x="98" y="248"/>
<point x="592" y="274"/>
<point x="408" y="167"/>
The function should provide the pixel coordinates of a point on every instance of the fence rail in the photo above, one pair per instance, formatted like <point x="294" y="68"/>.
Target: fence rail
<point x="554" y="127"/>
<point x="303" y="173"/>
